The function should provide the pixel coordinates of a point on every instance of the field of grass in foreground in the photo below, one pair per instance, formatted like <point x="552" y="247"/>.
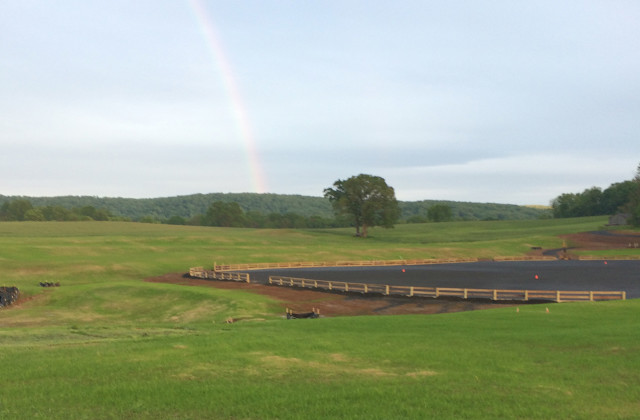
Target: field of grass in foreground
<point x="108" y="345"/>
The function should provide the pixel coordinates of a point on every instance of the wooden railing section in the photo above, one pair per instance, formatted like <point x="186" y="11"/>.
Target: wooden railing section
<point x="436" y="292"/>
<point x="201" y="273"/>
<point x="527" y="258"/>
<point x="373" y="263"/>
<point x="309" y="264"/>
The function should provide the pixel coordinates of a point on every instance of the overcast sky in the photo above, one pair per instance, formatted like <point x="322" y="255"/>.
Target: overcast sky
<point x="485" y="101"/>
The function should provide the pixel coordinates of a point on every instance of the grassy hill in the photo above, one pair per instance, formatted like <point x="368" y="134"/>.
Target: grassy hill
<point x="107" y="344"/>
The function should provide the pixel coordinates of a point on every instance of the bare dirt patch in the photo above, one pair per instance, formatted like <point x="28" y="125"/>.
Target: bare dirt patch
<point x="603" y="240"/>
<point x="337" y="304"/>
<point x="593" y="241"/>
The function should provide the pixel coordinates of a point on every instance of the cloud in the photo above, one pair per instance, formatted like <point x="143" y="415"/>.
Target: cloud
<point x="519" y="179"/>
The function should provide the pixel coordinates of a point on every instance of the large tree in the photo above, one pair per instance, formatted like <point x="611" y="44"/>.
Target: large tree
<point x="366" y="199"/>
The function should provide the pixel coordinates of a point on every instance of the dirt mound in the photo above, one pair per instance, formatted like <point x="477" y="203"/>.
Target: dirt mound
<point x="599" y="240"/>
<point x="591" y="241"/>
<point x="337" y="304"/>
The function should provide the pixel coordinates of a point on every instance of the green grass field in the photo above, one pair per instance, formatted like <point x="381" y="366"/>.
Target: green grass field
<point x="107" y="345"/>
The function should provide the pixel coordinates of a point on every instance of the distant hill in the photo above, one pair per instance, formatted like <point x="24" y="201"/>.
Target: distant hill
<point x="187" y="206"/>
<point x="474" y="211"/>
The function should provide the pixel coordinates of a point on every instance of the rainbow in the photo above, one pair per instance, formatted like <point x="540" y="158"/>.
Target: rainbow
<point x="243" y="125"/>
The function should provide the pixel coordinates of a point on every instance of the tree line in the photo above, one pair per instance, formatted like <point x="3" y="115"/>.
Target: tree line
<point x="257" y="210"/>
<point x="22" y="210"/>
<point x="219" y="213"/>
<point x="231" y="214"/>
<point x="620" y="197"/>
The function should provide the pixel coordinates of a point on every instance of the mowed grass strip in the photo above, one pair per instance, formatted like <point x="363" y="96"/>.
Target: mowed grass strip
<point x="108" y="345"/>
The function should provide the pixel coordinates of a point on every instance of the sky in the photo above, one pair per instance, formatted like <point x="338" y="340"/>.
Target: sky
<point x="483" y="101"/>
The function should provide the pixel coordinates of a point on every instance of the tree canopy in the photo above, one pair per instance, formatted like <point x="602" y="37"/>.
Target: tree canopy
<point x="439" y="213"/>
<point x="226" y="214"/>
<point x="619" y="197"/>
<point x="595" y="202"/>
<point x="366" y="199"/>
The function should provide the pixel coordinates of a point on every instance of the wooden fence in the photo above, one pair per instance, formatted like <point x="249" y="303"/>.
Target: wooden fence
<point x="308" y="264"/>
<point x="201" y="273"/>
<point x="436" y="292"/>
<point x="527" y="258"/>
<point x="375" y="263"/>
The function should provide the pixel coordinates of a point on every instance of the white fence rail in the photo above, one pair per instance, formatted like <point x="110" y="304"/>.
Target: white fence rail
<point x="436" y="292"/>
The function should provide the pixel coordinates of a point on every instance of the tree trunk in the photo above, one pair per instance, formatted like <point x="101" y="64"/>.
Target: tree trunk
<point x="364" y="230"/>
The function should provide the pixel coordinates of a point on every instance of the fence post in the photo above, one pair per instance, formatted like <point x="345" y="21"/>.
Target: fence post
<point x="465" y="293"/>
<point x="591" y="296"/>
<point x="557" y="295"/>
<point x="346" y="287"/>
<point x="330" y="286"/>
<point x="526" y="295"/>
<point x="624" y="295"/>
<point x="366" y="288"/>
<point x="437" y="292"/>
<point x="315" y="284"/>
<point x="411" y="291"/>
<point x="386" y="290"/>
<point x="495" y="294"/>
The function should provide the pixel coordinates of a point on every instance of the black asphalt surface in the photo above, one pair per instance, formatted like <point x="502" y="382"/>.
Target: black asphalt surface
<point x="519" y="275"/>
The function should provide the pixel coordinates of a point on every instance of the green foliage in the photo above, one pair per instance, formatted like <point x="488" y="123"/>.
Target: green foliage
<point x="22" y="209"/>
<point x="176" y="220"/>
<point x="439" y="213"/>
<point x="35" y="215"/>
<point x="224" y="214"/>
<point x="587" y="203"/>
<point x="618" y="197"/>
<point x="15" y="210"/>
<point x="367" y="199"/>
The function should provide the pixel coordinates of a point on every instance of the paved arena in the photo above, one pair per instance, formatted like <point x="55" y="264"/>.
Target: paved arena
<point x="551" y="275"/>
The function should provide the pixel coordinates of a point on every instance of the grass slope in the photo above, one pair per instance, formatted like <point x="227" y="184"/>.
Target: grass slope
<point x="107" y="345"/>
